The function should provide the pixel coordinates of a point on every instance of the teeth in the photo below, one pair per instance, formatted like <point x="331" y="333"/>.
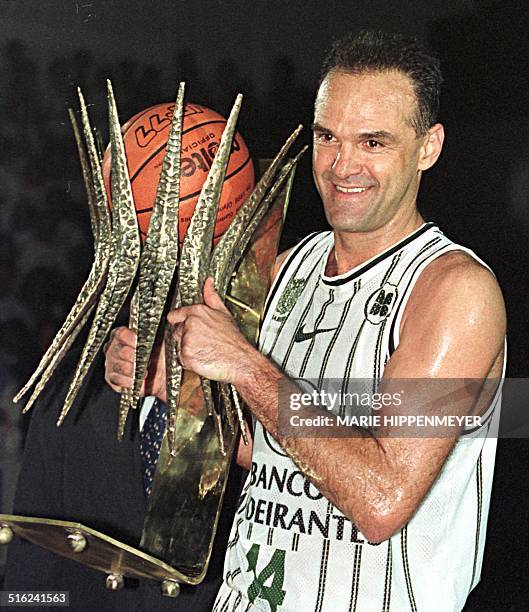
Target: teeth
<point x="350" y="189"/>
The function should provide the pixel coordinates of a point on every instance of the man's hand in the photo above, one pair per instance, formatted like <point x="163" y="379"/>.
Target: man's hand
<point x="208" y="339"/>
<point x="119" y="364"/>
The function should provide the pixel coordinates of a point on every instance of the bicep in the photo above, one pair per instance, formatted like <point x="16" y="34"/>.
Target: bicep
<point x="451" y="341"/>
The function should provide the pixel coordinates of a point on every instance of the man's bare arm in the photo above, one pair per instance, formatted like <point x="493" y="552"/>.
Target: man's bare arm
<point x="453" y="327"/>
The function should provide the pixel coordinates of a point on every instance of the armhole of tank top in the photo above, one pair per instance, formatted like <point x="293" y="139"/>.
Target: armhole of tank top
<point x="486" y="417"/>
<point x="395" y="327"/>
<point x="394" y="334"/>
<point x="278" y="281"/>
<point x="394" y="337"/>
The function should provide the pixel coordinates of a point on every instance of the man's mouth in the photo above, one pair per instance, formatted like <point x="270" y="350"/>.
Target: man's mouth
<point x="350" y="189"/>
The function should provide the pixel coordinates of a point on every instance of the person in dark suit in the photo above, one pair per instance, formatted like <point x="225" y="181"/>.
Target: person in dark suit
<point x="80" y="472"/>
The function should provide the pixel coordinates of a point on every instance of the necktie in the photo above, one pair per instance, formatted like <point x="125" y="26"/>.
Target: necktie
<point x="150" y="441"/>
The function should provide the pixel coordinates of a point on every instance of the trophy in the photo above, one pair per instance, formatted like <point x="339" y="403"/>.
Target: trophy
<point x="204" y="418"/>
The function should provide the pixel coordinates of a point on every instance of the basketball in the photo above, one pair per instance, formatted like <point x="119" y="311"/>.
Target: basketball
<point x="145" y="137"/>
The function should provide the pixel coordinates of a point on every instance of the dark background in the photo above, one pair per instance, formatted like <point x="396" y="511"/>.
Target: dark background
<point x="271" y="51"/>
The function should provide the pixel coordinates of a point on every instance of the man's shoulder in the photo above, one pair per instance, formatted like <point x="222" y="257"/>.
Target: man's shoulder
<point x="455" y="270"/>
<point x="456" y="285"/>
<point x="280" y="260"/>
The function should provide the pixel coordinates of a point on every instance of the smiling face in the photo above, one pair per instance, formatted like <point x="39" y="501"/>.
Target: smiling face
<point x="367" y="158"/>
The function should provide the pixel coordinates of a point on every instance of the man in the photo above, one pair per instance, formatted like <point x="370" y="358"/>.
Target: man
<point x="364" y="522"/>
<point x="80" y="472"/>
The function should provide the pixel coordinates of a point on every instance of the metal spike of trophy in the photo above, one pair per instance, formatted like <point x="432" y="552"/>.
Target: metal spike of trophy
<point x="203" y="418"/>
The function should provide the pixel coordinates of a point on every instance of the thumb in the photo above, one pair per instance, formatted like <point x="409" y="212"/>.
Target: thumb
<point x="211" y="297"/>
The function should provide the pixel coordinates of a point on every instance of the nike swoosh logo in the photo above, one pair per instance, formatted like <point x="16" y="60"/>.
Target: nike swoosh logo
<point x="302" y="335"/>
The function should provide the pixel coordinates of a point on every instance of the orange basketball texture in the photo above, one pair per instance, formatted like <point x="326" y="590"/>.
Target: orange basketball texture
<point x="145" y="137"/>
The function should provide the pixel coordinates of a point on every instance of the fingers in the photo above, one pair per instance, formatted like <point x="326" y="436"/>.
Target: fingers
<point x="179" y="315"/>
<point x="121" y="375"/>
<point x="211" y="297"/>
<point x="178" y="331"/>
<point x="125" y="336"/>
<point x="119" y="358"/>
<point x="120" y="337"/>
<point x="202" y="332"/>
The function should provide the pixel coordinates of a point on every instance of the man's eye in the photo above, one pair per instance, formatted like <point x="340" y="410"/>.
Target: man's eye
<point x="373" y="144"/>
<point x="324" y="137"/>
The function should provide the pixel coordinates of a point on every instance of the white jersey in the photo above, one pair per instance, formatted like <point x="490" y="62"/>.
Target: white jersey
<point x="290" y="549"/>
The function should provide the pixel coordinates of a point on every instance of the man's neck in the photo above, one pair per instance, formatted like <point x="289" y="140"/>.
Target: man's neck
<point x="354" y="248"/>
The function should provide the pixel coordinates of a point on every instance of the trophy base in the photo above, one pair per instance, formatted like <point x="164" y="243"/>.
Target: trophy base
<point x="96" y="550"/>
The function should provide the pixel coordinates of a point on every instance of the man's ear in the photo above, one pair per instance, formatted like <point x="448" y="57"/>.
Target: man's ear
<point x="432" y="146"/>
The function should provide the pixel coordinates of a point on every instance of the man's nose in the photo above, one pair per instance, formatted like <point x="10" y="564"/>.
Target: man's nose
<point x="347" y="162"/>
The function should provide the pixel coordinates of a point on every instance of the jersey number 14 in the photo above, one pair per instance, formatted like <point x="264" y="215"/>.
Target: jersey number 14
<point x="275" y="568"/>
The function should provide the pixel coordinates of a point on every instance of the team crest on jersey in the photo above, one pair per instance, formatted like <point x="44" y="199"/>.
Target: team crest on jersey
<point x="288" y="298"/>
<point x="380" y="303"/>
